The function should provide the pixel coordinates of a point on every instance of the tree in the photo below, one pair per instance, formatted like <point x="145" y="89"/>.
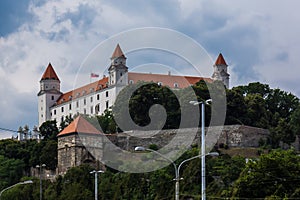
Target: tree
<point x="276" y="173"/>
<point x="49" y="130"/>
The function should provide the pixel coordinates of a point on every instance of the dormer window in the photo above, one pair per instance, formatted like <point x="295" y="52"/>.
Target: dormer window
<point x="176" y="85"/>
<point x="70" y="97"/>
<point x="159" y="83"/>
<point x="131" y="82"/>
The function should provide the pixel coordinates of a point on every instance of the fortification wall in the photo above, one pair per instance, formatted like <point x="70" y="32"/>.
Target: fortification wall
<point x="232" y="136"/>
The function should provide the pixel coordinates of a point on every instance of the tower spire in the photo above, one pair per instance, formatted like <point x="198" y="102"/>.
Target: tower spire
<point x="49" y="73"/>
<point x="118" y="52"/>
<point x="220" y="60"/>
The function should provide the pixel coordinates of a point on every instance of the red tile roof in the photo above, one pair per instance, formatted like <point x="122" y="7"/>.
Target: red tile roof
<point x="49" y="73"/>
<point x="82" y="91"/>
<point x="220" y="60"/>
<point x="118" y="52"/>
<point x="79" y="125"/>
<point x="166" y="80"/>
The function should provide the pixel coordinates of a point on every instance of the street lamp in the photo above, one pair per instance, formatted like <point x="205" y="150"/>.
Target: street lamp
<point x="177" y="170"/>
<point x="203" y="194"/>
<point x="96" y="181"/>
<point x="41" y="186"/>
<point x="20" y="183"/>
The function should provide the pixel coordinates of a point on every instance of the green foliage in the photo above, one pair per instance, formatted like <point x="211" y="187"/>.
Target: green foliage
<point x="49" y="130"/>
<point x="274" y="174"/>
<point x="11" y="170"/>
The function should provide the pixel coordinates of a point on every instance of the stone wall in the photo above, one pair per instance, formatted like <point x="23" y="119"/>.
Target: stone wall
<point x="232" y="136"/>
<point x="76" y="149"/>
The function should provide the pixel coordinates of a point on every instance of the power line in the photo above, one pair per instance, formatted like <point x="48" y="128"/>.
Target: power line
<point x="10" y="130"/>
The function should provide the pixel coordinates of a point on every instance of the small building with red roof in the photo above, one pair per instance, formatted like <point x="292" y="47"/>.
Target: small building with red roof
<point x="79" y="143"/>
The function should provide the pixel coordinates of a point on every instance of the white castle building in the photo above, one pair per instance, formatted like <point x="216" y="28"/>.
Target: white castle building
<point x="94" y="98"/>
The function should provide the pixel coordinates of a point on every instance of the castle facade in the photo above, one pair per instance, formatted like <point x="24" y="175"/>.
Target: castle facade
<point x="94" y="98"/>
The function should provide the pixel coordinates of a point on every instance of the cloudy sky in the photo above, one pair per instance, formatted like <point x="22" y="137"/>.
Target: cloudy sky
<point x="259" y="40"/>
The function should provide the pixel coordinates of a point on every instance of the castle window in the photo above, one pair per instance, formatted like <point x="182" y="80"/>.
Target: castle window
<point x="175" y="85"/>
<point x="91" y="109"/>
<point x="121" y="74"/>
<point x="107" y="104"/>
<point x="84" y="101"/>
<point x="106" y="94"/>
<point x="62" y="109"/>
<point x="84" y="111"/>
<point x="70" y="106"/>
<point x="41" y="108"/>
<point x="52" y="97"/>
<point x="97" y="108"/>
<point x="91" y="99"/>
<point x="54" y="112"/>
<point x="98" y="96"/>
<point x="131" y="82"/>
<point x="77" y="104"/>
<point x="62" y="118"/>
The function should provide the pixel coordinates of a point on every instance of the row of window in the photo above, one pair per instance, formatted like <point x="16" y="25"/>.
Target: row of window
<point x="97" y="108"/>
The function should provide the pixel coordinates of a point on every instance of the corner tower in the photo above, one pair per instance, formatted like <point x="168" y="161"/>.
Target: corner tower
<point x="220" y="71"/>
<point x="48" y="94"/>
<point x="118" y="70"/>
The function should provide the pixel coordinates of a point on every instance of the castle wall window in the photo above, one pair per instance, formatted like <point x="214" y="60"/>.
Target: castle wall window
<point x="62" y="118"/>
<point x="70" y="106"/>
<point x="107" y="104"/>
<point x="92" y="110"/>
<point x="106" y="94"/>
<point x="84" y="101"/>
<point x="91" y="99"/>
<point x="98" y="96"/>
<point x="62" y="109"/>
<point x="84" y="111"/>
<point x="77" y="104"/>
<point x="54" y="112"/>
<point x="52" y="97"/>
<point x="97" y="108"/>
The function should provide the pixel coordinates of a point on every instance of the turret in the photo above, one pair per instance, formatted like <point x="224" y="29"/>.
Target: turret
<point x="118" y="70"/>
<point x="220" y="71"/>
<point x="48" y="94"/>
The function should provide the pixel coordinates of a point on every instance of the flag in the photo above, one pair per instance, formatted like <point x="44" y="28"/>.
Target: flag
<point x="93" y="75"/>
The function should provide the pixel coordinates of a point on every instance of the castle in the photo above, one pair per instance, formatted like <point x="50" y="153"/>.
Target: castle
<point x="94" y="98"/>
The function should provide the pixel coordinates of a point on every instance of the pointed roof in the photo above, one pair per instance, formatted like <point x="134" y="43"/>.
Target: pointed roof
<point x="49" y="73"/>
<point x="118" y="52"/>
<point x="220" y="60"/>
<point x="79" y="125"/>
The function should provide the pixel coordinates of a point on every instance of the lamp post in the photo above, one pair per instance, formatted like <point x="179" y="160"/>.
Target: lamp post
<point x="20" y="183"/>
<point x="203" y="188"/>
<point x="41" y="186"/>
<point x="96" y="181"/>
<point x="177" y="170"/>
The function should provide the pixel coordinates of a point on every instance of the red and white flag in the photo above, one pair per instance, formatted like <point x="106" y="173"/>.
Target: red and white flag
<point x="93" y="75"/>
